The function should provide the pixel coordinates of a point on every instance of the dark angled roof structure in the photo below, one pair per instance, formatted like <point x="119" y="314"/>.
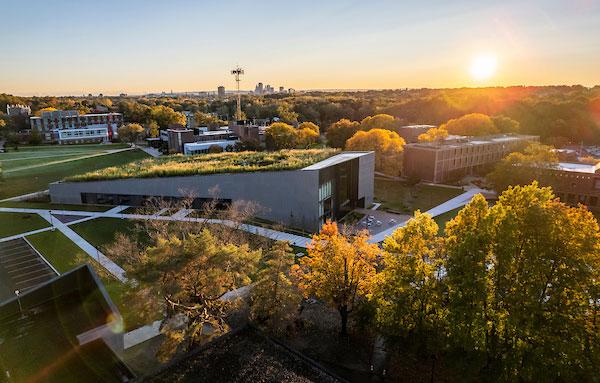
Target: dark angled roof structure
<point x="60" y="331"/>
<point x="245" y="356"/>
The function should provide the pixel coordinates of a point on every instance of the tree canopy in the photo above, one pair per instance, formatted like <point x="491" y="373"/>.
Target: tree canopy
<point x="387" y="145"/>
<point x="473" y="124"/>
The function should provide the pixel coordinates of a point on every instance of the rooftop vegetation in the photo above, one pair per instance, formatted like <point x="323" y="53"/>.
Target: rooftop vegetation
<point x="239" y="162"/>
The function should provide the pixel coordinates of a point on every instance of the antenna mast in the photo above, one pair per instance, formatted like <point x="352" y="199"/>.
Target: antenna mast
<point x="237" y="72"/>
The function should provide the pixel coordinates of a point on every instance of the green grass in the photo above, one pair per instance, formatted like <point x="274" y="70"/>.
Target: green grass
<point x="240" y="162"/>
<point x="17" y="223"/>
<point x="101" y="231"/>
<point x="399" y="197"/>
<point x="64" y="255"/>
<point x="444" y="218"/>
<point x="36" y="179"/>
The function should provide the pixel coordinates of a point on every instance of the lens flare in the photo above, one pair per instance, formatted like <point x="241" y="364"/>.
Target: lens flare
<point x="483" y="66"/>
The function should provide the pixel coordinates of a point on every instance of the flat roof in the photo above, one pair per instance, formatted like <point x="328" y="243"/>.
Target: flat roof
<point x="338" y="158"/>
<point x="417" y="126"/>
<point x="578" y="168"/>
<point x="463" y="141"/>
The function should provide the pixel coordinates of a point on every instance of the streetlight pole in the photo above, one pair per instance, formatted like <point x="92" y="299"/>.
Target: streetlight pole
<point x="17" y="292"/>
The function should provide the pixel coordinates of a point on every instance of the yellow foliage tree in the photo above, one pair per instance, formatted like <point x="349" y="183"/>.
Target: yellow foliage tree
<point x="379" y="121"/>
<point x="339" y="269"/>
<point x="433" y="135"/>
<point x="280" y="136"/>
<point x="306" y="137"/>
<point x="387" y="146"/>
<point x="474" y="124"/>
<point x="309" y="125"/>
<point x="339" y="132"/>
<point x="130" y="132"/>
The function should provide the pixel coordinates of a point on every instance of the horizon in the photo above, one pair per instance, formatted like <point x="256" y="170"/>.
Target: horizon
<point x="150" y="47"/>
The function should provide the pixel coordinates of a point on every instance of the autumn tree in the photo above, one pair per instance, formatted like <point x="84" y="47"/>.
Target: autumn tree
<point x="474" y="124"/>
<point x="309" y="125"/>
<point x="280" y="136"/>
<point x="306" y="137"/>
<point x="380" y="121"/>
<point x="433" y="135"/>
<point x="467" y="248"/>
<point x="275" y="299"/>
<point x="339" y="132"/>
<point x="520" y="168"/>
<point x="130" y="132"/>
<point x="153" y="129"/>
<point x="210" y="120"/>
<point x="165" y="116"/>
<point x="506" y="124"/>
<point x="409" y="289"/>
<point x="188" y="277"/>
<point x="387" y="146"/>
<point x="339" y="269"/>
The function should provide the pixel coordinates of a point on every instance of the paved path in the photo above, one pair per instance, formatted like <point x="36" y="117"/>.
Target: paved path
<point x="24" y="197"/>
<point x="294" y="239"/>
<point x="103" y="260"/>
<point x="451" y="204"/>
<point x="151" y="151"/>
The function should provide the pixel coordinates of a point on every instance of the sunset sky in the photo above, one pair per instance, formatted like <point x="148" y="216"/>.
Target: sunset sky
<point x="79" y="47"/>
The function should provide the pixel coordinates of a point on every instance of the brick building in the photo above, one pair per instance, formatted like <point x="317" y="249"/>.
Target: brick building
<point x="457" y="157"/>
<point x="70" y="127"/>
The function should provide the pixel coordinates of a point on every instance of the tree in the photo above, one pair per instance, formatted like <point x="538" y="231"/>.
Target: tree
<point x="306" y="137"/>
<point x="339" y="132"/>
<point x="339" y="269"/>
<point x="275" y="299"/>
<point x="188" y="276"/>
<point x="215" y="149"/>
<point x="205" y="119"/>
<point x="309" y="125"/>
<point x="130" y="132"/>
<point x="506" y="124"/>
<point x="522" y="168"/>
<point x="380" y="121"/>
<point x="467" y="246"/>
<point x="433" y="135"/>
<point x="153" y="129"/>
<point x="387" y="146"/>
<point x="409" y="289"/>
<point x="165" y="116"/>
<point x="474" y="124"/>
<point x="280" y="136"/>
<point x="286" y="113"/>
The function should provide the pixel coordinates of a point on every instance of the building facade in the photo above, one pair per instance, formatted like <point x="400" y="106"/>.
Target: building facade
<point x="221" y="91"/>
<point x="455" y="158"/>
<point x="411" y="133"/>
<point x="18" y="110"/>
<point x="303" y="198"/>
<point x="69" y="127"/>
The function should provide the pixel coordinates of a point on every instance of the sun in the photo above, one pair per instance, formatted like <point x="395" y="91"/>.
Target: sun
<point x="483" y="66"/>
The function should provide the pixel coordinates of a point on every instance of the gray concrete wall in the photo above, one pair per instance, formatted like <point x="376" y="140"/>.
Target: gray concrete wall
<point x="366" y="179"/>
<point x="287" y="197"/>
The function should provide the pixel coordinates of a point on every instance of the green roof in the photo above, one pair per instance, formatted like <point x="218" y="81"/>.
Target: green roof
<point x="237" y="162"/>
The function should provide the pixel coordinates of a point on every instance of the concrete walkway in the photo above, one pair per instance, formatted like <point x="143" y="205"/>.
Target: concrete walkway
<point x="103" y="260"/>
<point x="294" y="239"/>
<point x="451" y="204"/>
<point x="150" y="151"/>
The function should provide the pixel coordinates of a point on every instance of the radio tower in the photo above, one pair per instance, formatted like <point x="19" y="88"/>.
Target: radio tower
<point x="237" y="72"/>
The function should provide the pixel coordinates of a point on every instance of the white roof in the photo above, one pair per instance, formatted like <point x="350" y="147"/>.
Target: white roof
<point x="579" y="168"/>
<point x="338" y="158"/>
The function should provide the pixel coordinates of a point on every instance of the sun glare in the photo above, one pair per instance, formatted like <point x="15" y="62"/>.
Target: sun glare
<point x="483" y="66"/>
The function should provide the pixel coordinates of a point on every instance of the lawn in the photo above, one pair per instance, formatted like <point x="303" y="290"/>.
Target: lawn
<point x="101" y="231"/>
<point x="36" y="179"/>
<point x="17" y="223"/>
<point x="64" y="255"/>
<point x="444" y="218"/>
<point x="398" y="197"/>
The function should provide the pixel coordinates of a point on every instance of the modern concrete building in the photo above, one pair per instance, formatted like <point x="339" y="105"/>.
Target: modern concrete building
<point x="455" y="158"/>
<point x="221" y="91"/>
<point x="302" y="198"/>
<point x="18" y="110"/>
<point x="69" y="127"/>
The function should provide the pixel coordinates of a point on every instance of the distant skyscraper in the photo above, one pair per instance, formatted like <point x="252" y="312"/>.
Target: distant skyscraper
<point x="221" y="91"/>
<point x="281" y="89"/>
<point x="259" y="89"/>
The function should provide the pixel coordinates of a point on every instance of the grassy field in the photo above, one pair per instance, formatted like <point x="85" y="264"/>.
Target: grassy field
<point x="64" y="255"/>
<point x="101" y="231"/>
<point x="37" y="178"/>
<point x="17" y="223"/>
<point x="401" y="198"/>
<point x="443" y="219"/>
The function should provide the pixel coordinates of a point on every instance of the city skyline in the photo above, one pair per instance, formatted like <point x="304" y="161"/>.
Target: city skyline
<point x="148" y="47"/>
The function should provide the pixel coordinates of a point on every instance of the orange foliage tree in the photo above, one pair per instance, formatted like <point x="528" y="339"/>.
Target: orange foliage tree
<point x="339" y="269"/>
<point x="474" y="124"/>
<point x="387" y="146"/>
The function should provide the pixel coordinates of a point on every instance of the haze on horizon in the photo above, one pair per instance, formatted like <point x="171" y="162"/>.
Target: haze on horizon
<point x="135" y="46"/>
